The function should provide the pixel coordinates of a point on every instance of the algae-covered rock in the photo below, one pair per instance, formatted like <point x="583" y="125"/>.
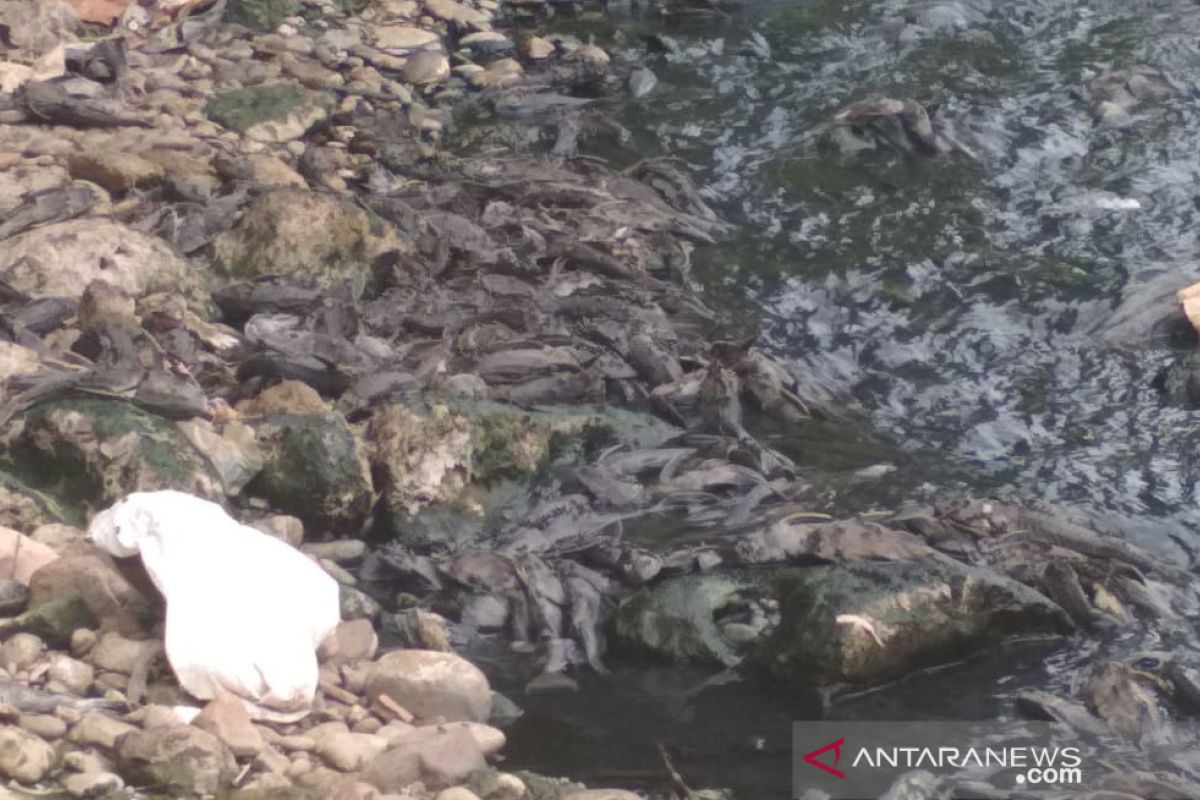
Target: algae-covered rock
<point x="868" y="621"/>
<point x="311" y="236"/>
<point x="95" y="451"/>
<point x="261" y="15"/>
<point x="55" y="620"/>
<point x="23" y="508"/>
<point x="274" y="112"/>
<point x="677" y="618"/>
<point x="181" y="759"/>
<point x="449" y="469"/>
<point x="313" y="468"/>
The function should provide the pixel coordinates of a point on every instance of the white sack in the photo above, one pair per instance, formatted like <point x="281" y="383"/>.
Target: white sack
<point x="245" y="612"/>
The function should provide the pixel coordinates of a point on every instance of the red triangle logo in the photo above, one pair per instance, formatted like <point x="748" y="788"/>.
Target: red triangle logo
<point x="836" y="747"/>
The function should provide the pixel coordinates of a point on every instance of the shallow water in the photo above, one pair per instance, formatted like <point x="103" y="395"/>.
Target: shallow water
<point x="971" y="308"/>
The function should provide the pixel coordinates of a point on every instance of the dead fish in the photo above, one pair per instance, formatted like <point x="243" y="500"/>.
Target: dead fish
<point x="36" y="701"/>
<point x="49" y="205"/>
<point x="1117" y="91"/>
<point x="907" y="125"/>
<point x="69" y="102"/>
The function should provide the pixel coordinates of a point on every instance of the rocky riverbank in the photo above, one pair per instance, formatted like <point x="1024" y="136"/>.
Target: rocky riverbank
<point x="240" y="257"/>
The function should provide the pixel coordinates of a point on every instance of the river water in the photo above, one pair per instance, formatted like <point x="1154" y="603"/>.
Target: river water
<point x="977" y="311"/>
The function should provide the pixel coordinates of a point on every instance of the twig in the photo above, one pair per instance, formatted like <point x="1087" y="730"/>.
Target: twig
<point x="679" y="787"/>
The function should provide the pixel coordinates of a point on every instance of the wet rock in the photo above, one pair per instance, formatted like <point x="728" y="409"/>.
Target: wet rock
<point x="100" y="450"/>
<point x="98" y="729"/>
<point x="271" y="113"/>
<point x="24" y="508"/>
<point x="306" y="235"/>
<point x="426" y="67"/>
<point x="115" y="171"/>
<point x="262" y="15"/>
<point x="492" y="785"/>
<point x="314" y="470"/>
<point x="677" y="618"/>
<point x="180" y="759"/>
<point x="55" y="620"/>
<point x="60" y="259"/>
<point x="285" y="397"/>
<point x="436" y="761"/>
<point x="45" y="726"/>
<point x="232" y="451"/>
<point x="356" y="604"/>
<point x="404" y="38"/>
<point x="225" y="717"/>
<point x="455" y="12"/>
<point x="24" y="757"/>
<point x="869" y="621"/>
<point x="432" y="685"/>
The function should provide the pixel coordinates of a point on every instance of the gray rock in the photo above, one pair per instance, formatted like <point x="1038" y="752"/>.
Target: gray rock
<point x="24" y="757"/>
<point x="436" y="761"/>
<point x="432" y="685"/>
<point x="180" y="759"/>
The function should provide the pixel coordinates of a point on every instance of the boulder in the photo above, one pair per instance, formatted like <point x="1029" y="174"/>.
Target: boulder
<point x="314" y="237"/>
<point x="60" y="259"/>
<point x="276" y="112"/>
<point x="96" y="729"/>
<point x="181" y="759"/>
<point x="115" y="653"/>
<point x="352" y="641"/>
<point x="349" y="752"/>
<point x="19" y="651"/>
<point x="105" y="593"/>
<point x="21" y="556"/>
<point x="433" y="685"/>
<point x="24" y="758"/>
<point x="436" y="761"/>
<point x="313" y="468"/>
<point x="225" y="717"/>
<point x="114" y="170"/>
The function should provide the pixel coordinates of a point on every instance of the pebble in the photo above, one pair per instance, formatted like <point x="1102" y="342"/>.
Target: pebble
<point x="44" y="725"/>
<point x="225" y="717"/>
<point x="92" y="784"/>
<point x="456" y="793"/>
<point x="98" y="729"/>
<point x="24" y="757"/>
<point x="69" y="675"/>
<point x="426" y="68"/>
<point x="20" y="651"/>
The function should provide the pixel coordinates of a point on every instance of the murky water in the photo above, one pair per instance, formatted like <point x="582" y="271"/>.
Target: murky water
<point x="973" y="309"/>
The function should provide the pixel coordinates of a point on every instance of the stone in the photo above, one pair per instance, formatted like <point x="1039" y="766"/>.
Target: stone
<point x="91" y="784"/>
<point x="349" y="752"/>
<point x="24" y="758"/>
<point x="351" y="642"/>
<point x="24" y="508"/>
<point x="285" y="397"/>
<point x="340" y="551"/>
<point x="283" y="527"/>
<point x="21" y="556"/>
<point x="181" y="759"/>
<point x="98" y="729"/>
<point x="59" y="538"/>
<point x="490" y="785"/>
<point x="433" y="685"/>
<point x="270" y="113"/>
<point x="20" y="651"/>
<point x="436" y="761"/>
<point x="82" y="642"/>
<point x="269" y="170"/>
<point x="60" y="259"/>
<point x="404" y="38"/>
<point x="454" y="12"/>
<point x="456" y="793"/>
<point x="231" y="450"/>
<point x="313" y="468"/>
<point x="116" y="653"/>
<point x="225" y="717"/>
<point x="426" y="67"/>
<point x="602" y="794"/>
<point x="114" y="170"/>
<point x="107" y="597"/>
<point x="489" y="740"/>
<point x="261" y="15"/>
<point x="44" y="726"/>
<point x="297" y="743"/>
<point x="311" y="236"/>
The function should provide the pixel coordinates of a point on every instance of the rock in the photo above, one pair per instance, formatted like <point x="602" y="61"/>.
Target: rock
<point x="285" y="397"/>
<point x="436" y="761"/>
<point x="456" y="13"/>
<point x="313" y="469"/>
<point x="91" y="784"/>
<point x="602" y="794"/>
<point x="181" y="759"/>
<point x="351" y="642"/>
<point x="341" y="551"/>
<point x="108" y="598"/>
<point x="59" y="538"/>
<point x="500" y="74"/>
<point x="314" y="237"/>
<point x="271" y="113"/>
<point x="404" y="38"/>
<point x="350" y="752"/>
<point x="114" y="170"/>
<point x="225" y="717"/>
<point x="426" y="67"/>
<point x="456" y="793"/>
<point x="232" y="451"/>
<point x="98" y="451"/>
<point x="493" y="785"/>
<point x="20" y="651"/>
<point x="262" y="15"/>
<point x="115" y="653"/>
<point x="24" y="508"/>
<point x="60" y="259"/>
<point x="21" y="556"/>
<point x="432" y="685"/>
<point x="357" y="604"/>
<point x="45" y="726"/>
<point x="538" y="48"/>
<point x="82" y="642"/>
<point x="869" y="621"/>
<point x="69" y="675"/>
<point x="14" y="597"/>
<point x="489" y="740"/>
<point x="417" y="629"/>
<point x="269" y="170"/>
<point x="24" y="757"/>
<point x="283" y="527"/>
<point x="98" y="729"/>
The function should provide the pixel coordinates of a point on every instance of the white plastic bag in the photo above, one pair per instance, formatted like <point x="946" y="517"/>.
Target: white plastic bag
<point x="245" y="612"/>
